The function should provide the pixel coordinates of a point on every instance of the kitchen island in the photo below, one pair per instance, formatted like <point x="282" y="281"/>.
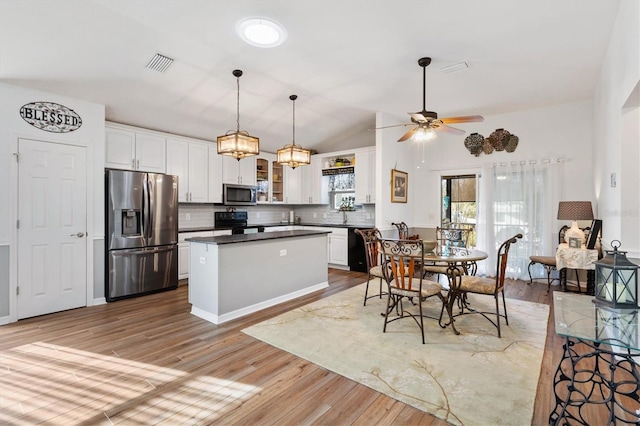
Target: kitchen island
<point x="235" y="275"/>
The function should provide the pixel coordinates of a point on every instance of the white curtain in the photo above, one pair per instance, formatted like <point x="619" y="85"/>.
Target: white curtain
<point x="518" y="198"/>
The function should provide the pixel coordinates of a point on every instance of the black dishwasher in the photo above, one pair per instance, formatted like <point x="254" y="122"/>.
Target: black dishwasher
<point x="357" y="255"/>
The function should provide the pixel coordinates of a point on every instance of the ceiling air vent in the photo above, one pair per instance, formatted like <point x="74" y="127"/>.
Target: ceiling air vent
<point x="159" y="63"/>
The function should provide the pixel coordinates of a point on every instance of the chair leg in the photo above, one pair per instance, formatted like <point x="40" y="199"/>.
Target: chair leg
<point x="498" y="315"/>
<point x="504" y="304"/>
<point x="366" y="291"/>
<point x="421" y="318"/>
<point x="529" y="269"/>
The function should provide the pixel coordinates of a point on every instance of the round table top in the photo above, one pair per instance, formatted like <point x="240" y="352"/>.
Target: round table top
<point x="455" y="254"/>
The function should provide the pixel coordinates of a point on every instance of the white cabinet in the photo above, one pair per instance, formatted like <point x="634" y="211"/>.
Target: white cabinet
<point x="293" y="184"/>
<point x="239" y="171"/>
<point x="215" y="175"/>
<point x="184" y="252"/>
<point x="337" y="244"/>
<point x="338" y="247"/>
<point x="312" y="182"/>
<point x="190" y="162"/>
<point x="365" y="170"/>
<point x="131" y="150"/>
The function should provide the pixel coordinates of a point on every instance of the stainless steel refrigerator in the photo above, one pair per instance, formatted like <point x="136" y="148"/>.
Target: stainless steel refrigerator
<point x="141" y="233"/>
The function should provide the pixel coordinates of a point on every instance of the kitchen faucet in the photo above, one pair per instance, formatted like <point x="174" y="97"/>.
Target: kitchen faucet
<point x="344" y="217"/>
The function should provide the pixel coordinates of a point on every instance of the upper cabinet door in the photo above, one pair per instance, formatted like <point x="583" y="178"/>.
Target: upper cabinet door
<point x="178" y="165"/>
<point x="150" y="153"/>
<point x="293" y="185"/>
<point x="365" y="169"/>
<point x="198" y="172"/>
<point x="239" y="171"/>
<point x="130" y="150"/>
<point x="120" y="149"/>
<point x="215" y="175"/>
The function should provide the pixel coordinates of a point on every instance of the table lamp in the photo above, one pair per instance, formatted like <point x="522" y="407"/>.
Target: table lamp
<point x="575" y="211"/>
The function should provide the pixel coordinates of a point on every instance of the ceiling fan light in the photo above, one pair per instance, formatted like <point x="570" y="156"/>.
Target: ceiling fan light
<point x="424" y="134"/>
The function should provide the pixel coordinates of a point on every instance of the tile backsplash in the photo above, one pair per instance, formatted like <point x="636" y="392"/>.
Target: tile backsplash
<point x="196" y="216"/>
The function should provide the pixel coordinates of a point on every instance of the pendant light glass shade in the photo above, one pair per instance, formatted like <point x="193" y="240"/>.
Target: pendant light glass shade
<point x="238" y="144"/>
<point x="294" y="155"/>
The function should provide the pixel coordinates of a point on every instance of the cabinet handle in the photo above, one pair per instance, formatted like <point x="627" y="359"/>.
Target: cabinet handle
<point x="137" y="164"/>
<point x="133" y="163"/>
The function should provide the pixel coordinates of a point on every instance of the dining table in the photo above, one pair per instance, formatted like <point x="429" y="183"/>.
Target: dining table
<point x="459" y="261"/>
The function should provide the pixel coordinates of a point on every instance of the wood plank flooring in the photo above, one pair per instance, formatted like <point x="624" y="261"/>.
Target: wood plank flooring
<point x="149" y="361"/>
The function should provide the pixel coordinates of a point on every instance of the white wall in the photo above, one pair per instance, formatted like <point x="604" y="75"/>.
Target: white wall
<point x="389" y="155"/>
<point x="560" y="131"/>
<point x="617" y="82"/>
<point x="89" y="135"/>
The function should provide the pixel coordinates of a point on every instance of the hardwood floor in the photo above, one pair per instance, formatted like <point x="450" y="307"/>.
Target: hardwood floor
<point x="149" y="361"/>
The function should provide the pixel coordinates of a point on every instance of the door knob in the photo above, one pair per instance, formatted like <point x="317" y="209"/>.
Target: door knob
<point x="79" y="235"/>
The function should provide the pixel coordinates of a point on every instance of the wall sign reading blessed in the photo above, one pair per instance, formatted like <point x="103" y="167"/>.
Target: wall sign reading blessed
<point x="51" y="117"/>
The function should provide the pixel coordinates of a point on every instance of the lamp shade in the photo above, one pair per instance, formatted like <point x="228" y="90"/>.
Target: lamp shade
<point x="294" y="155"/>
<point x="238" y="144"/>
<point x="575" y="210"/>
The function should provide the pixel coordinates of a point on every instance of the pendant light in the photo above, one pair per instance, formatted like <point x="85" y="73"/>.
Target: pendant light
<point x="294" y="155"/>
<point x="238" y="144"/>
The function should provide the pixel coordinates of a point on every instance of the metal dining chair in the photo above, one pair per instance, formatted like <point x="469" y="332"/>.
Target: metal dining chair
<point x="402" y="269"/>
<point x="371" y="237"/>
<point x="463" y="284"/>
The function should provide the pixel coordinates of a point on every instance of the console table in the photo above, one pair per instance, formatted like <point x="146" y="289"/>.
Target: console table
<point x="600" y="361"/>
<point x="576" y="258"/>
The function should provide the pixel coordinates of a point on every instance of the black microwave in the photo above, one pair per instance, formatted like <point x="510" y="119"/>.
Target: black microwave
<point x="239" y="195"/>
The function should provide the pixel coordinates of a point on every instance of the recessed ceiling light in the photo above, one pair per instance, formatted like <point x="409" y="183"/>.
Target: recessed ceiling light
<point x="261" y="32"/>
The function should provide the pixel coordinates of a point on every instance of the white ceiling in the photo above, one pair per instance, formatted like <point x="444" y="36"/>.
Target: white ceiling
<point x="345" y="60"/>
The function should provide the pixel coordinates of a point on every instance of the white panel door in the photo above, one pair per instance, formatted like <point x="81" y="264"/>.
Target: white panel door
<point x="52" y="247"/>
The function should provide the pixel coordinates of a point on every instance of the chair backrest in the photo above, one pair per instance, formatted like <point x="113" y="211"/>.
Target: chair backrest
<point x="402" y="262"/>
<point x="451" y="237"/>
<point x="370" y="237"/>
<point x="503" y="257"/>
<point x="403" y="230"/>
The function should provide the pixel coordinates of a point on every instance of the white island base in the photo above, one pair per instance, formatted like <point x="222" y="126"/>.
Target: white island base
<point x="235" y="275"/>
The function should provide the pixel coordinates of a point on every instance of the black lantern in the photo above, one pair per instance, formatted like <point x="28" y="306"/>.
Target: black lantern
<point x="616" y="279"/>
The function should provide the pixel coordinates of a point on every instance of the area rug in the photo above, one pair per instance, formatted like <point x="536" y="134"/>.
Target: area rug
<point x="474" y="378"/>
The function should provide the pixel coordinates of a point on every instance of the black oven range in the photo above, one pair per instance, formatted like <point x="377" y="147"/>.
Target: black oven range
<point x="236" y="221"/>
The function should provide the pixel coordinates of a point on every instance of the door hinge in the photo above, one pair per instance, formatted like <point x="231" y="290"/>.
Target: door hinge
<point x="17" y="291"/>
<point x="17" y="154"/>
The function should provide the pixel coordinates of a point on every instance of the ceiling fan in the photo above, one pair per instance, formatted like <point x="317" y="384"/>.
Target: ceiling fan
<point x="426" y="122"/>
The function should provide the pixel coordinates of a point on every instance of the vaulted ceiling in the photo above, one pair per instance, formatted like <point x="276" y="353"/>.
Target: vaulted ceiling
<point x="345" y="59"/>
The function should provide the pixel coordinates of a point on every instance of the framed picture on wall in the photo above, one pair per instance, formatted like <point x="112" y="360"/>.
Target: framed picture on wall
<point x="399" y="186"/>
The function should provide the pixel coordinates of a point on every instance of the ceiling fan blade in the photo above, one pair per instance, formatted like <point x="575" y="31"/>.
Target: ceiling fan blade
<point x="408" y="134"/>
<point x="449" y="129"/>
<point x="395" y="125"/>
<point x="465" y="119"/>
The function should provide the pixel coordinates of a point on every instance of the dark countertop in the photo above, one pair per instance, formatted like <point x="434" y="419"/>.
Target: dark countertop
<point x="267" y="225"/>
<point x="260" y="236"/>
